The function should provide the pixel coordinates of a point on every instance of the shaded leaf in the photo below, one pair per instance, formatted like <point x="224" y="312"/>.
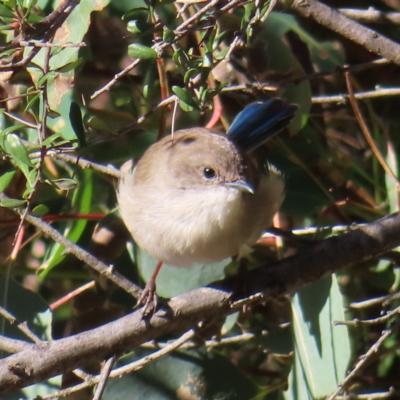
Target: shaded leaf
<point x="323" y="350"/>
<point x="75" y="117"/>
<point x="11" y="203"/>
<point x="5" y="180"/>
<point x="137" y="50"/>
<point x="172" y="281"/>
<point x="71" y="229"/>
<point x="191" y="374"/>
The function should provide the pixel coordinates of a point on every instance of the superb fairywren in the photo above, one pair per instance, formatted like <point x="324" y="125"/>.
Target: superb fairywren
<point x="197" y="197"/>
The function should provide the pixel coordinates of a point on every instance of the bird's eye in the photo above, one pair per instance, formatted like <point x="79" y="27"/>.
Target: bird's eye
<point x="209" y="173"/>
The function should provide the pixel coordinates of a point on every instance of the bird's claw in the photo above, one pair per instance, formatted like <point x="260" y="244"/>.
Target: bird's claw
<point x="148" y="298"/>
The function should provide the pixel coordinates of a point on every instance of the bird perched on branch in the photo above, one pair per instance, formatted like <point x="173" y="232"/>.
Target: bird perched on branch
<point x="198" y="197"/>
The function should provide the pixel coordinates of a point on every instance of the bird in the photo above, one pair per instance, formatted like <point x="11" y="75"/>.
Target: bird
<point x="198" y="196"/>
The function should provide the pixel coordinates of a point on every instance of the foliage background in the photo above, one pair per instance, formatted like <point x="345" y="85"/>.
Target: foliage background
<point x="188" y="64"/>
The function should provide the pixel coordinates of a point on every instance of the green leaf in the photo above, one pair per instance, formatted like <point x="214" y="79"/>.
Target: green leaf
<point x="60" y="90"/>
<point x="5" y="10"/>
<point x="69" y="66"/>
<point x="27" y="192"/>
<point x="327" y="55"/>
<point x="207" y="60"/>
<point x="172" y="281"/>
<point x="51" y="140"/>
<point x="185" y="98"/>
<point x="71" y="229"/>
<point x="138" y="26"/>
<point x="7" y="27"/>
<point x="191" y="72"/>
<point x="139" y="13"/>
<point x="137" y="50"/>
<point x="75" y="117"/>
<point x="28" y="307"/>
<point x="32" y="100"/>
<point x="230" y="322"/>
<point x="323" y="350"/>
<point x="5" y="180"/>
<point x="29" y="4"/>
<point x="43" y="79"/>
<point x="40" y="210"/>
<point x="10" y="3"/>
<point x="181" y="59"/>
<point x="64" y="183"/>
<point x="168" y="35"/>
<point x="12" y="203"/>
<point x="278" y="340"/>
<point x="185" y="107"/>
<point x="14" y="147"/>
<point x="185" y="374"/>
<point x="13" y="128"/>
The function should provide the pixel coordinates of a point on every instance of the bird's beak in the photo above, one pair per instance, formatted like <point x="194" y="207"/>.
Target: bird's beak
<point x="242" y="185"/>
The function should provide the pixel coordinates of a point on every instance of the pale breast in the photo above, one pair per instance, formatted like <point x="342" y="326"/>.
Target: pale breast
<point x="191" y="226"/>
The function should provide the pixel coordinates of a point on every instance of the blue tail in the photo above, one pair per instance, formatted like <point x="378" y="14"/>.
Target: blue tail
<point x="260" y="121"/>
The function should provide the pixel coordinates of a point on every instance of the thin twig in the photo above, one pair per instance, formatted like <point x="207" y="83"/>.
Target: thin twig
<point x="49" y="25"/>
<point x="126" y="369"/>
<point x="391" y="394"/>
<point x="20" y="96"/>
<point x="83" y="163"/>
<point x="312" y="230"/>
<point x="384" y="300"/>
<point x="105" y="374"/>
<point x="195" y="17"/>
<point x="371" y="15"/>
<point x="32" y="43"/>
<point x="21" y="121"/>
<point x="141" y="119"/>
<point x="115" y="79"/>
<point x="186" y="310"/>
<point x="244" y="337"/>
<point x="86" y="257"/>
<point x="375" y="321"/>
<point x="271" y="6"/>
<point x="362" y="360"/>
<point x="22" y="326"/>
<point x="343" y="98"/>
<point x="367" y="134"/>
<point x="179" y="32"/>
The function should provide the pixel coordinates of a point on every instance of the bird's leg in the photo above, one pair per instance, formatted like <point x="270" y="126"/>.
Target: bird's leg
<point x="149" y="296"/>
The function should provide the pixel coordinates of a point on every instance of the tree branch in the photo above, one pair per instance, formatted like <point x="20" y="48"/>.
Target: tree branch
<point x="337" y="22"/>
<point x="372" y="15"/>
<point x="182" y="313"/>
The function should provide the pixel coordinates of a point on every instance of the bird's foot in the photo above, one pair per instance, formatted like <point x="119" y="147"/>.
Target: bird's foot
<point x="148" y="298"/>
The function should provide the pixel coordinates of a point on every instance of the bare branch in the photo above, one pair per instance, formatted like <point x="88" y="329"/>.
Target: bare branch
<point x="338" y="22"/>
<point x="343" y="98"/>
<point x="362" y="360"/>
<point x="86" y="257"/>
<point x="384" y="300"/>
<point x="11" y="346"/>
<point x="22" y="326"/>
<point x="371" y="15"/>
<point x="185" y="311"/>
